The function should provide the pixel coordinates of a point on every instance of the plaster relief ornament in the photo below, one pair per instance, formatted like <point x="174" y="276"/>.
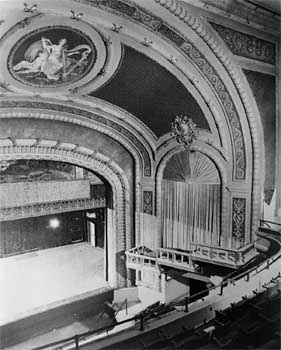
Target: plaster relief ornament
<point x="53" y="58"/>
<point x="185" y="130"/>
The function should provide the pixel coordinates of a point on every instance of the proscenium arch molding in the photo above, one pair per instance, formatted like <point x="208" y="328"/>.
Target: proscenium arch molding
<point x="95" y="162"/>
<point x="201" y="46"/>
<point x="213" y="63"/>
<point x="110" y="123"/>
<point x="220" y="164"/>
<point x="191" y="49"/>
<point x="92" y="118"/>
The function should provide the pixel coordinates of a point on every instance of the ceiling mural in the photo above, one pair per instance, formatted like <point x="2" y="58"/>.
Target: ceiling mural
<point x="52" y="56"/>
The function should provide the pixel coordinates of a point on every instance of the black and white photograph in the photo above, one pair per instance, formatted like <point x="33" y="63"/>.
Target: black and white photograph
<point x="140" y="174"/>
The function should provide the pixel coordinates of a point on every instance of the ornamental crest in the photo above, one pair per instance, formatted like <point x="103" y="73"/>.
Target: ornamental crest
<point x="185" y="130"/>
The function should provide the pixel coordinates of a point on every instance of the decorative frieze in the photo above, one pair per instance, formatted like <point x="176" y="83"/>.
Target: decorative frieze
<point x="147" y="19"/>
<point x="245" y="45"/>
<point x="41" y="209"/>
<point x="238" y="221"/>
<point x="148" y="202"/>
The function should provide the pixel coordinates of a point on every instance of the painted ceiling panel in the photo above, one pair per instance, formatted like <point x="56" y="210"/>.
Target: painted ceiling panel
<point x="149" y="92"/>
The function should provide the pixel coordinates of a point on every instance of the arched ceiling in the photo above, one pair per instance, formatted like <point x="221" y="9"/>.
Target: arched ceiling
<point x="138" y="88"/>
<point x="52" y="55"/>
<point x="153" y="59"/>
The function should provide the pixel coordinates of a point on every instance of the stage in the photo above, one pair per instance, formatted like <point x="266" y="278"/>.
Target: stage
<point x="34" y="282"/>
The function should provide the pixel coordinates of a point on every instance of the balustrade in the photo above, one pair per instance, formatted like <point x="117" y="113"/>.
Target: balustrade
<point x="143" y="256"/>
<point x="140" y="256"/>
<point x="165" y="256"/>
<point x="219" y="255"/>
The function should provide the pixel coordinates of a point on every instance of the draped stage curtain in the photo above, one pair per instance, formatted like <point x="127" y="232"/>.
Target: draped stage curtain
<point x="191" y="200"/>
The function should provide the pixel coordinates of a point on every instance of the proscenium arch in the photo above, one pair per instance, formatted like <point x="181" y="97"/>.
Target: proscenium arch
<point x="221" y="166"/>
<point x="111" y="172"/>
<point x="138" y="27"/>
<point x="205" y="42"/>
<point x="95" y="115"/>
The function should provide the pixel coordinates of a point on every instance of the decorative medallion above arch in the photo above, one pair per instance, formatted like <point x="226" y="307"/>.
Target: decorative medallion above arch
<point x="52" y="56"/>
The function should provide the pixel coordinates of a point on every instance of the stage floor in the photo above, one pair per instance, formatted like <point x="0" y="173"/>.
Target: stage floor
<point x="34" y="282"/>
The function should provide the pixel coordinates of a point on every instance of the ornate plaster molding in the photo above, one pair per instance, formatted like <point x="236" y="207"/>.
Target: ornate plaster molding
<point x="103" y="57"/>
<point x="238" y="221"/>
<point x="246" y="45"/>
<point x="73" y="110"/>
<point x="48" y="208"/>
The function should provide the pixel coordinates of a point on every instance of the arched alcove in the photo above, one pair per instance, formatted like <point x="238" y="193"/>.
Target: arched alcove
<point x="191" y="201"/>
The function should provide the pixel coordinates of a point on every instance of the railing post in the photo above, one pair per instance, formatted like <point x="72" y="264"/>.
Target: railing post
<point x="141" y="323"/>
<point x="221" y="289"/>
<point x="186" y="300"/>
<point x="76" y="338"/>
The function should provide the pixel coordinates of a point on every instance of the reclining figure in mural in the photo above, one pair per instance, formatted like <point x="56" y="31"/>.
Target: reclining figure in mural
<point x="53" y="60"/>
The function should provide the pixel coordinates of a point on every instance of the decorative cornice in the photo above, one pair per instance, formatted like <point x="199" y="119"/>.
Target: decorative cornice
<point x="245" y="45"/>
<point x="49" y="208"/>
<point x="86" y="114"/>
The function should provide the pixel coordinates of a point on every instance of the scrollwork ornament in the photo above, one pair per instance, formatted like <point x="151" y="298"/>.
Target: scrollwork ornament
<point x="185" y="130"/>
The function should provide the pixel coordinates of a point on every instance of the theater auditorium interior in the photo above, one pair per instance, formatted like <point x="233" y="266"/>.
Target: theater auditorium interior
<point x="140" y="174"/>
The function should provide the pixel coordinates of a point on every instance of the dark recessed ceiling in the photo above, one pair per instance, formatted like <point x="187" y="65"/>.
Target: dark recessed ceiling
<point x="150" y="92"/>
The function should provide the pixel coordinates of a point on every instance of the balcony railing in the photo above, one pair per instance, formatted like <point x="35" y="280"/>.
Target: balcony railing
<point x="251" y="274"/>
<point x="140" y="256"/>
<point x="223" y="256"/>
<point x="143" y="256"/>
<point x="175" y="258"/>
